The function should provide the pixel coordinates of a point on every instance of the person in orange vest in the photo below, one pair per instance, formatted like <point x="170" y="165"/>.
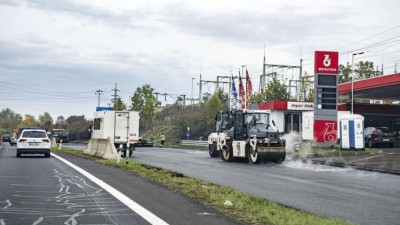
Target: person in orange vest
<point x="162" y="139"/>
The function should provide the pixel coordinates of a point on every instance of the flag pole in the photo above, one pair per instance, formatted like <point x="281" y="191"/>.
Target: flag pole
<point x="230" y="93"/>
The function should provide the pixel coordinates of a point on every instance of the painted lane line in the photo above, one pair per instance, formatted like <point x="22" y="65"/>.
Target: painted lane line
<point x="140" y="210"/>
<point x="8" y="204"/>
<point x="377" y="156"/>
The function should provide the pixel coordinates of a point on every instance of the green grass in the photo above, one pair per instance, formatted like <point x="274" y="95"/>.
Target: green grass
<point x="245" y="207"/>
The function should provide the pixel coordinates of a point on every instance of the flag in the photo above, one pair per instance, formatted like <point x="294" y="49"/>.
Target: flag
<point x="234" y="95"/>
<point x="241" y="93"/>
<point x="249" y="89"/>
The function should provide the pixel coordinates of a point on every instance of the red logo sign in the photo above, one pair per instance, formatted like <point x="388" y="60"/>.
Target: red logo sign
<point x="326" y="62"/>
<point x="325" y="130"/>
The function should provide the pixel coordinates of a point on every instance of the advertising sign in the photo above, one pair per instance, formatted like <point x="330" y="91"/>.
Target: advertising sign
<point x="325" y="130"/>
<point x="326" y="62"/>
<point x="300" y="106"/>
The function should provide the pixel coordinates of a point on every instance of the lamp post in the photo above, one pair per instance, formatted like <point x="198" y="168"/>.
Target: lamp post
<point x="192" y="89"/>
<point x="352" y="78"/>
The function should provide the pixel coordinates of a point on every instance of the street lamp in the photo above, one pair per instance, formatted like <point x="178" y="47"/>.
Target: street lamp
<point x="192" y="89"/>
<point x="352" y="78"/>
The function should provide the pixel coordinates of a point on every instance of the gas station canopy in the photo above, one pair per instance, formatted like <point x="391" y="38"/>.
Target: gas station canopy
<point x="386" y="87"/>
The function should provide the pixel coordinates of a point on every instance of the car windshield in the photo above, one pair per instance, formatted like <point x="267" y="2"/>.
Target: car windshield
<point x="34" y="134"/>
<point x="262" y="118"/>
<point x="384" y="130"/>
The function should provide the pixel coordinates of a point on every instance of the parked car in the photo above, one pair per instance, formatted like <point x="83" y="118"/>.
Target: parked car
<point x="6" y="137"/>
<point x="14" y="139"/>
<point x="33" y="142"/>
<point x="143" y="143"/>
<point x="378" y="136"/>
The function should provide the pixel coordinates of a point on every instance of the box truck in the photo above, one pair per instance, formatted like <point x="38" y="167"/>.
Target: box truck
<point x="122" y="127"/>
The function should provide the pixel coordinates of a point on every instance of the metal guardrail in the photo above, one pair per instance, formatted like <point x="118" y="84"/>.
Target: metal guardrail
<point x="194" y="143"/>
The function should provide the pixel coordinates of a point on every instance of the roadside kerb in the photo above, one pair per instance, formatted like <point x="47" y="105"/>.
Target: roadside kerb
<point x="330" y="162"/>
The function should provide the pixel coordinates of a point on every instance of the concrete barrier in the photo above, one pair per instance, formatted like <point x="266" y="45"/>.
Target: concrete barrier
<point x="102" y="148"/>
<point x="53" y="142"/>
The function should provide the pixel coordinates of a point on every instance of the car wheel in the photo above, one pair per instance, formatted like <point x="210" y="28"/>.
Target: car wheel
<point x="18" y="155"/>
<point x="47" y="155"/>
<point x="370" y="144"/>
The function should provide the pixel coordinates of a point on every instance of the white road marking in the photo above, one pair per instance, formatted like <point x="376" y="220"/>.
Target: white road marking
<point x="39" y="220"/>
<point x="358" y="160"/>
<point x="144" y="213"/>
<point x="8" y="204"/>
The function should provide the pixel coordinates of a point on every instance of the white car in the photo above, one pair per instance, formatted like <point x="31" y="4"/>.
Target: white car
<point x="33" y="142"/>
<point x="14" y="139"/>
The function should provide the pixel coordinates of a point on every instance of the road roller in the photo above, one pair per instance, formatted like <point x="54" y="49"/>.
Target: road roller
<point x="247" y="134"/>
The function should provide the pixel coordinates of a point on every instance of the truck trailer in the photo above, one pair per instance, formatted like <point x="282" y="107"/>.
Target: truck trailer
<point x="122" y="127"/>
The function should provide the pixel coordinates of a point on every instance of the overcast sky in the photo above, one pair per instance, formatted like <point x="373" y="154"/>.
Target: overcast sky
<point x="54" y="54"/>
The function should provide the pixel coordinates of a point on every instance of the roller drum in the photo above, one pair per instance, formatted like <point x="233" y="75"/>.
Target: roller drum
<point x="273" y="154"/>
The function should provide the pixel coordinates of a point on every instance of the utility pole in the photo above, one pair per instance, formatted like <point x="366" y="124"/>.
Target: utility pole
<point x="157" y="93"/>
<point x="115" y="95"/>
<point x="184" y="100"/>
<point x="301" y="97"/>
<point x="277" y="66"/>
<point x="192" y="89"/>
<point x="200" y="94"/>
<point x="98" y="93"/>
<point x="165" y="96"/>
<point x="262" y="77"/>
<point x="217" y="83"/>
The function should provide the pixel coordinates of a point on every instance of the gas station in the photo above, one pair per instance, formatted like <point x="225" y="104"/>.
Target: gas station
<point x="318" y="121"/>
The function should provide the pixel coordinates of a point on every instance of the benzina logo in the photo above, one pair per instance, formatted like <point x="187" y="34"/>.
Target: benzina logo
<point x="326" y="62"/>
<point x="327" y="69"/>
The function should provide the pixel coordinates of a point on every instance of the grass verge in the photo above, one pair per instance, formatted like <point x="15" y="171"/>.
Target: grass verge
<point x="244" y="207"/>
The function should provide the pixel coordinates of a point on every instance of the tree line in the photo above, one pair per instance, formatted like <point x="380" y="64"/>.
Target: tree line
<point x="78" y="126"/>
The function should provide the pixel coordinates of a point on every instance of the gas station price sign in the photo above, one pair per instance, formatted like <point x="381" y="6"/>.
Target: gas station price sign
<point x="326" y="69"/>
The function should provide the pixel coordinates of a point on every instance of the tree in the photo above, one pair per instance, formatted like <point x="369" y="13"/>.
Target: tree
<point x="61" y="123"/>
<point x="257" y="98"/>
<point x="275" y="90"/>
<point x="364" y="70"/>
<point x="344" y="74"/>
<point x="211" y="108"/>
<point x="307" y="87"/>
<point x="144" y="101"/>
<point x="78" y="127"/>
<point x="46" y="121"/>
<point x="119" y="105"/>
<point x="60" y="120"/>
<point x="9" y="120"/>
<point x="29" y="121"/>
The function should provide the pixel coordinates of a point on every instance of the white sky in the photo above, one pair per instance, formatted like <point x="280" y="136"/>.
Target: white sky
<point x="54" y="55"/>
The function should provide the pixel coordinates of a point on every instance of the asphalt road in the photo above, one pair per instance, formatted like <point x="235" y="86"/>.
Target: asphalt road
<point x="38" y="190"/>
<point x="361" y="196"/>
